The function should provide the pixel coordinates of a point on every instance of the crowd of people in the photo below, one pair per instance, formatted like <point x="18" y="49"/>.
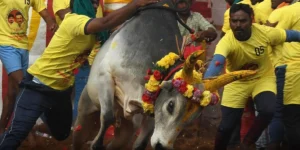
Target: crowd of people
<point x="256" y="34"/>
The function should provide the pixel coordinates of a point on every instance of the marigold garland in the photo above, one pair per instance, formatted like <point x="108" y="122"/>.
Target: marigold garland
<point x="155" y="77"/>
<point x="203" y="97"/>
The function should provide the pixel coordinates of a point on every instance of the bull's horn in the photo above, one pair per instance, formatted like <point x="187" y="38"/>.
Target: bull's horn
<point x="189" y="65"/>
<point x="220" y="81"/>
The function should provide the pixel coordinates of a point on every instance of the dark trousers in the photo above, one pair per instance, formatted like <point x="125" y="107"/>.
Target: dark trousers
<point x="276" y="127"/>
<point x="265" y="104"/>
<point x="291" y="120"/>
<point x="35" y="100"/>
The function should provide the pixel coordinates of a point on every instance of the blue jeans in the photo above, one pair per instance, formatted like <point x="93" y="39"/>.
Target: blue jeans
<point x="80" y="82"/>
<point x="264" y="102"/>
<point x="35" y="100"/>
<point x="276" y="127"/>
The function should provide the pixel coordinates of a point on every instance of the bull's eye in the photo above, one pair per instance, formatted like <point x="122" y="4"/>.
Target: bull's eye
<point x="170" y="107"/>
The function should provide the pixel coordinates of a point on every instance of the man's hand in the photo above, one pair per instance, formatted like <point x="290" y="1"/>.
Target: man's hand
<point x="52" y="25"/>
<point x="207" y="35"/>
<point x="141" y="3"/>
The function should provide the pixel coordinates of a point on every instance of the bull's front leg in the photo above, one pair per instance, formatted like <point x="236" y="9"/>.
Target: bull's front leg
<point x="106" y="98"/>
<point x="87" y="114"/>
<point x="145" y="134"/>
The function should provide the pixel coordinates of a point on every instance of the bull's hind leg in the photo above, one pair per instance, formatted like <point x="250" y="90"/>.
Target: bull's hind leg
<point x="145" y="134"/>
<point x="106" y="98"/>
<point x="87" y="114"/>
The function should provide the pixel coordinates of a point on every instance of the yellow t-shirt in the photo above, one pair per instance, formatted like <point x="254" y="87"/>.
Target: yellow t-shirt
<point x="262" y="11"/>
<point x="59" y="5"/>
<point x="288" y="52"/>
<point x="226" y="24"/>
<point x="14" y="20"/>
<point x="252" y="51"/>
<point x="66" y="52"/>
<point x="63" y="4"/>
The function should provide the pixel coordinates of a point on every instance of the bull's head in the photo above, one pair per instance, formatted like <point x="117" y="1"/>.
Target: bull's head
<point x="173" y="110"/>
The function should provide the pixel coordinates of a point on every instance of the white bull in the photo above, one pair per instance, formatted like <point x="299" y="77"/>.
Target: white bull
<point x="116" y="84"/>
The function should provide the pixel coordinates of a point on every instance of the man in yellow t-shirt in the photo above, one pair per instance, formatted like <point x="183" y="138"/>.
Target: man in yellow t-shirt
<point x="49" y="81"/>
<point x="14" y="45"/>
<point x="60" y="9"/>
<point x="262" y="11"/>
<point x="244" y="47"/>
<point x="287" y="76"/>
<point x="226" y="26"/>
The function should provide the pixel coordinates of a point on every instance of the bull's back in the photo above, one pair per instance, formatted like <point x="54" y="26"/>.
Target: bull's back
<point x="140" y="42"/>
<point x="145" y="39"/>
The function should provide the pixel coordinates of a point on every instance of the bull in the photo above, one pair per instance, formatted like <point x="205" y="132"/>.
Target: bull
<point x="116" y="84"/>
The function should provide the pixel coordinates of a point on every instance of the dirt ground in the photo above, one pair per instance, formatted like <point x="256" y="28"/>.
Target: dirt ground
<point x="198" y="135"/>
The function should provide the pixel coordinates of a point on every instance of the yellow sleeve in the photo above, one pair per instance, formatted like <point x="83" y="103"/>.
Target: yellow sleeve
<point x="274" y="16"/>
<point x="224" y="46"/>
<point x="226" y="26"/>
<point x="59" y="5"/>
<point x="76" y="24"/>
<point x="93" y="53"/>
<point x="99" y="13"/>
<point x="276" y="36"/>
<point x="38" y="5"/>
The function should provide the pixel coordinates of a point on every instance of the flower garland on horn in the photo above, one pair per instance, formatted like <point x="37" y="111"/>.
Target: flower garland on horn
<point x="194" y="94"/>
<point x="154" y="77"/>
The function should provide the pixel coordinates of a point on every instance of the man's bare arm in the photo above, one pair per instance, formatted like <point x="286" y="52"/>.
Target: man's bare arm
<point x="61" y="13"/>
<point x="116" y="17"/>
<point x="49" y="20"/>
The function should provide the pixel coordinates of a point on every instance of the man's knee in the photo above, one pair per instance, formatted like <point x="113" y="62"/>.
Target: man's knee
<point x="265" y="103"/>
<point x="16" y="76"/>
<point x="226" y="128"/>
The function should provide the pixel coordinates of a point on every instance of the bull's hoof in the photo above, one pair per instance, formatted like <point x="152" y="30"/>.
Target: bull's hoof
<point x="98" y="147"/>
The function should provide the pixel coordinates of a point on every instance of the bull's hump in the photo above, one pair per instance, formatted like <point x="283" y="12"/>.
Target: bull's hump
<point x="146" y="38"/>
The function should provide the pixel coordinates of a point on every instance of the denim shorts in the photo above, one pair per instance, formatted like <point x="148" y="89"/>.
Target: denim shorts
<point x="14" y="59"/>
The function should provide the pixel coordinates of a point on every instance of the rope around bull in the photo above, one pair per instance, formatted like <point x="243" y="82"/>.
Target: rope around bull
<point x="174" y="10"/>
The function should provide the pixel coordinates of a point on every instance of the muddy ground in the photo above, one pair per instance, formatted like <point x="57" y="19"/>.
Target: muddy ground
<point x="198" y="135"/>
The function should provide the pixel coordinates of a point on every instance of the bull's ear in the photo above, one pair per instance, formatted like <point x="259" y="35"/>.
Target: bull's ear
<point x="166" y="85"/>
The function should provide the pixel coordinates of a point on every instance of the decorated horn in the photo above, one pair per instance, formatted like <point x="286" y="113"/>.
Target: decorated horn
<point x="189" y="65"/>
<point x="220" y="81"/>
